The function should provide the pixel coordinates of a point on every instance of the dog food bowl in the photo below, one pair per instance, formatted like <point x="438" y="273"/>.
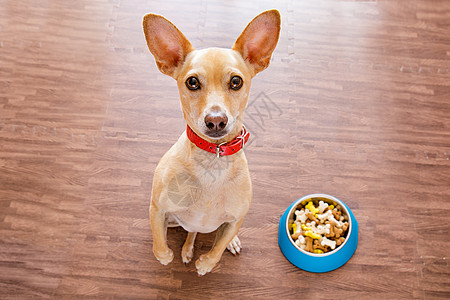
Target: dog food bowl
<point x="312" y="262"/>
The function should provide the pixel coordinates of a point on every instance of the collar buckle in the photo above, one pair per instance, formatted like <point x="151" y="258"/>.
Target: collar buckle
<point x="218" y="152"/>
<point x="242" y="138"/>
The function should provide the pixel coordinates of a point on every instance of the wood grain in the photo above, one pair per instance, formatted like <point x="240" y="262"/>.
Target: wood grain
<point x="355" y="104"/>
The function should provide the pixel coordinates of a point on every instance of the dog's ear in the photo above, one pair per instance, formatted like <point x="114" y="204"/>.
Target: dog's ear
<point x="167" y="44"/>
<point x="258" y="40"/>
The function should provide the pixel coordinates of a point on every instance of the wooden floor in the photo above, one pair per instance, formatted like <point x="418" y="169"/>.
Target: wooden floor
<point x="356" y="104"/>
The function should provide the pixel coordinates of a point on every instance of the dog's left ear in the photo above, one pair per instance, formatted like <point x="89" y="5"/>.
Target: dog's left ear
<point x="258" y="40"/>
<point x="167" y="44"/>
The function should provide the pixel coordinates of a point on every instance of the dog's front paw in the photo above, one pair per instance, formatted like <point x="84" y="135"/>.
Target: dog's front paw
<point x="164" y="257"/>
<point x="204" y="264"/>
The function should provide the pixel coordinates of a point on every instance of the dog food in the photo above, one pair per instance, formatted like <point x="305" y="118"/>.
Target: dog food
<point x="319" y="227"/>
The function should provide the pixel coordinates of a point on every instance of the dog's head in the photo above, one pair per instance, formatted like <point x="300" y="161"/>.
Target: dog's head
<point x="213" y="83"/>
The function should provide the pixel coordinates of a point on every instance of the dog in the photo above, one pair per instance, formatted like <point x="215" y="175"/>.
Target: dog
<point x="202" y="183"/>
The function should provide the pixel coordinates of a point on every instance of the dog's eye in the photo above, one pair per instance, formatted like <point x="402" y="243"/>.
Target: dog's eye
<point x="236" y="83"/>
<point x="192" y="83"/>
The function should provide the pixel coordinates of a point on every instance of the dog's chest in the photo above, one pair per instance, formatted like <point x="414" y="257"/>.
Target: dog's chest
<point x="202" y="198"/>
<point x="202" y="219"/>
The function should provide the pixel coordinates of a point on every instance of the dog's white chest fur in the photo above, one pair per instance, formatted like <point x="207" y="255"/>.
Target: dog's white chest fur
<point x="201" y="220"/>
<point x="198" y="193"/>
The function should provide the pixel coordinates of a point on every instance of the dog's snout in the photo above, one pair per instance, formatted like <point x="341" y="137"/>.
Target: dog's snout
<point x="216" y="121"/>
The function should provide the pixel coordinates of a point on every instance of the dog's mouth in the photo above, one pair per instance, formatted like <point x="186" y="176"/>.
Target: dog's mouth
<point x="214" y="134"/>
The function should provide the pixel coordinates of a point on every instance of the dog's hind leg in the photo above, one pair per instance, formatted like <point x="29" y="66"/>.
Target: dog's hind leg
<point x="235" y="245"/>
<point x="187" y="252"/>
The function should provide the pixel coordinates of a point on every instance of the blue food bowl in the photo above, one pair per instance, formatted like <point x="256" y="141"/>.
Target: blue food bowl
<point x="317" y="263"/>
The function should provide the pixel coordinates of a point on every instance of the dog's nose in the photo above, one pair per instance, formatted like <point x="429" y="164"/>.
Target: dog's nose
<point x="216" y="121"/>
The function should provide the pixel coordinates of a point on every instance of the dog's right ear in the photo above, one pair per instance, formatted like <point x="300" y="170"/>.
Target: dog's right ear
<point x="259" y="39"/>
<point x="167" y="44"/>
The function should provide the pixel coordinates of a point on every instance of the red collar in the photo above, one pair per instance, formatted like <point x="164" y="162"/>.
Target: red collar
<point x="226" y="148"/>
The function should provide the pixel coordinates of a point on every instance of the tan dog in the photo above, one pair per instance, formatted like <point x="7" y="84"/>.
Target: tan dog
<point x="202" y="183"/>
